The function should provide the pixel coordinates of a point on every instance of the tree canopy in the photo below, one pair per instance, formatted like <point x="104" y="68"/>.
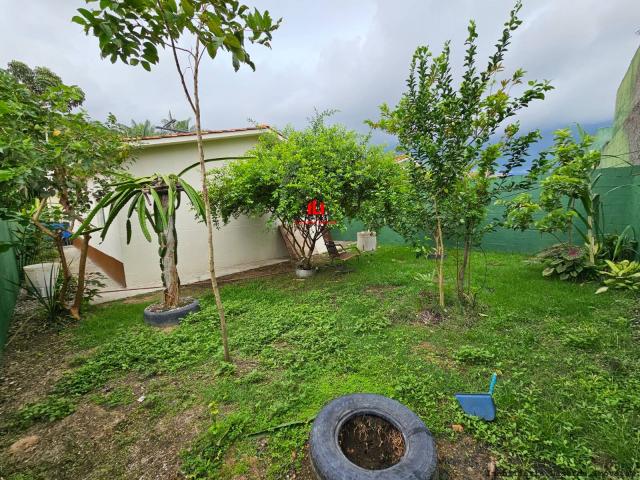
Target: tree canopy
<point x="46" y="147"/>
<point x="286" y="171"/>
<point x="461" y="133"/>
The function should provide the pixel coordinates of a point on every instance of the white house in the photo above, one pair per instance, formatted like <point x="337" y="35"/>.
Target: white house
<point x="241" y="245"/>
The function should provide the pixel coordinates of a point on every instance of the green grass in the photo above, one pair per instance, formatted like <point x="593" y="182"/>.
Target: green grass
<point x="568" y="393"/>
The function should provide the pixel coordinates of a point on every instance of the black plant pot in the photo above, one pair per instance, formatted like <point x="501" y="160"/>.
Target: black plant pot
<point x="169" y="317"/>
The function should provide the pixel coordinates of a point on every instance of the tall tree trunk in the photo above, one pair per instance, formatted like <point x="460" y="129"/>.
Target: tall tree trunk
<point x="205" y="197"/>
<point x="168" y="259"/>
<point x="82" y="267"/>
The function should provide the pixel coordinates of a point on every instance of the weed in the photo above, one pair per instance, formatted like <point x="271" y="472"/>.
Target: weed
<point x="49" y="410"/>
<point x="473" y="355"/>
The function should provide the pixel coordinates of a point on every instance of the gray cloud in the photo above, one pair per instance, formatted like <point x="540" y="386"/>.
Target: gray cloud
<point x="347" y="55"/>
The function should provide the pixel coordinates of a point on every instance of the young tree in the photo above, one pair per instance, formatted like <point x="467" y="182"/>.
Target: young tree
<point x="450" y="131"/>
<point x="329" y="164"/>
<point x="567" y="177"/>
<point x="132" y="31"/>
<point x="50" y="151"/>
<point x="154" y="200"/>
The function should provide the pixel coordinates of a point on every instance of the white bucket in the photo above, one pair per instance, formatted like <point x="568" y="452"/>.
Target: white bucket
<point x="367" y="241"/>
<point x="40" y="276"/>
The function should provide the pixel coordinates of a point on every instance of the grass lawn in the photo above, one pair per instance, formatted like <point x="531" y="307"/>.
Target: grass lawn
<point x="112" y="398"/>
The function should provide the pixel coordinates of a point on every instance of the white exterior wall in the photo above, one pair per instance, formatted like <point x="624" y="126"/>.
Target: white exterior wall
<point x="242" y="244"/>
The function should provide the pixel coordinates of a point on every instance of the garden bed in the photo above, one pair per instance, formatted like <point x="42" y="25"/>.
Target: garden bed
<point x="113" y="398"/>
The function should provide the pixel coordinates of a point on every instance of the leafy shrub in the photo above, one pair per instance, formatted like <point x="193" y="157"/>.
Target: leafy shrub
<point x="616" y="247"/>
<point x="568" y="262"/>
<point x="471" y="354"/>
<point x="51" y="409"/>
<point x="623" y="275"/>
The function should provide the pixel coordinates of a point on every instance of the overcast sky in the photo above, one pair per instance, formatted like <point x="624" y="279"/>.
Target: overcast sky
<point x="349" y="55"/>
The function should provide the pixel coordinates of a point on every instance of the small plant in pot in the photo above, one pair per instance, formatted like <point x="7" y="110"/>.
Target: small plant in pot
<point x="304" y="269"/>
<point x="154" y="201"/>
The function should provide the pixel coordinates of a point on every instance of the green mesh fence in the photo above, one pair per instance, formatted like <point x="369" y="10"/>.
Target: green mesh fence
<point x="8" y="281"/>
<point x="620" y="192"/>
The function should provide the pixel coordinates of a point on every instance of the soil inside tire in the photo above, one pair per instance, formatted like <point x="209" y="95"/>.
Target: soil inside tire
<point x="371" y="442"/>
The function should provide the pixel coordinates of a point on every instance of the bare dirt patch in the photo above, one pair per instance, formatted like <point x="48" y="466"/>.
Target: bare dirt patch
<point x="429" y="316"/>
<point x="155" y="455"/>
<point x="35" y="358"/>
<point x="97" y="442"/>
<point x="434" y="354"/>
<point x="380" y="291"/>
<point x="464" y="459"/>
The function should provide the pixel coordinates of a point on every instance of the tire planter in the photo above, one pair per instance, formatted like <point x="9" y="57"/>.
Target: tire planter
<point x="170" y="317"/>
<point x="417" y="459"/>
<point x="304" y="273"/>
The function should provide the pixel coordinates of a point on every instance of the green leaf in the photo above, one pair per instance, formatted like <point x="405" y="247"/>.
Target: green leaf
<point x="601" y="290"/>
<point x="231" y="41"/>
<point x="194" y="198"/>
<point x="99" y="206"/>
<point x="79" y="20"/>
<point x="142" y="217"/>
<point x="129" y="229"/>
<point x="159" y="207"/>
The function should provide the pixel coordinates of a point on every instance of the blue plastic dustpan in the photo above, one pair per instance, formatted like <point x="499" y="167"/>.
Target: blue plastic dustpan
<point x="479" y="404"/>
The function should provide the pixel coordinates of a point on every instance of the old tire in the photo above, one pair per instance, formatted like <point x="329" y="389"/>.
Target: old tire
<point x="170" y="317"/>
<point x="419" y="461"/>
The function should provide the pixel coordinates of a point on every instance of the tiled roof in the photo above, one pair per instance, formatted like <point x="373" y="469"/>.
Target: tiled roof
<point x="205" y="132"/>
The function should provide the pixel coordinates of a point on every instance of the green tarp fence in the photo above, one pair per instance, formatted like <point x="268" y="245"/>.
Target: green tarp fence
<point x="620" y="192"/>
<point x="8" y="283"/>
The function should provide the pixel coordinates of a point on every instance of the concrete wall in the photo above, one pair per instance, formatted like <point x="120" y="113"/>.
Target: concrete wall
<point x="244" y="243"/>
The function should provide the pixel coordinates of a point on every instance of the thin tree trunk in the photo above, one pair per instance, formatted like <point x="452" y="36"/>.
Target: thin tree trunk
<point x="66" y="273"/>
<point x="82" y="267"/>
<point x="590" y="237"/>
<point x="57" y="240"/>
<point x="440" y="247"/>
<point x="570" y="229"/>
<point x="205" y="197"/>
<point x="462" y="270"/>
